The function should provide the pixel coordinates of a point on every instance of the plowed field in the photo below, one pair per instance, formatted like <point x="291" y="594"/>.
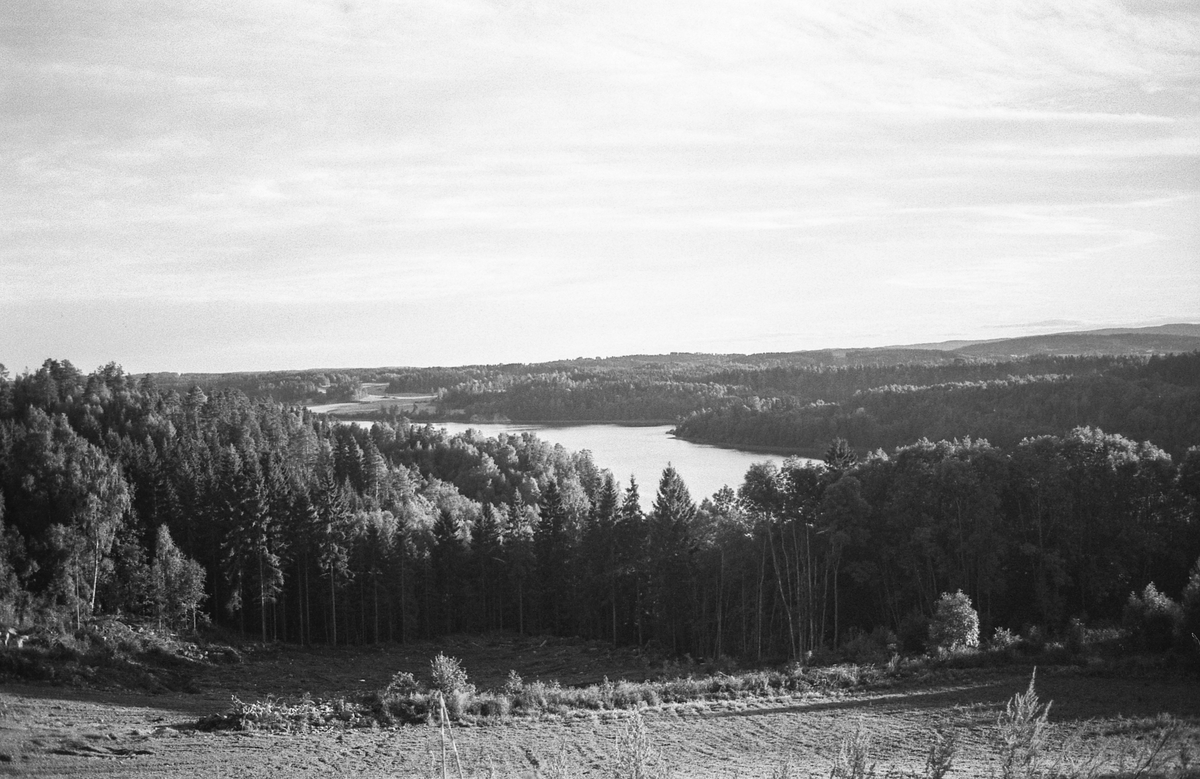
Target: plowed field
<point x="48" y="731"/>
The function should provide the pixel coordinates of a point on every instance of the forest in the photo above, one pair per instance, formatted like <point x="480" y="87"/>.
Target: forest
<point x="121" y="497"/>
<point x="1155" y="399"/>
<point x="793" y="403"/>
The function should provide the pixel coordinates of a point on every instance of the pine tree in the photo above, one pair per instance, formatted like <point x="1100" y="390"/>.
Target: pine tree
<point x="671" y="545"/>
<point x="486" y="542"/>
<point x="519" y="553"/>
<point x="552" y="556"/>
<point x="632" y="562"/>
<point x="331" y="541"/>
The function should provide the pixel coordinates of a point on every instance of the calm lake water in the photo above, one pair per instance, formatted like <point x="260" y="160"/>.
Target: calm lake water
<point x="643" y="452"/>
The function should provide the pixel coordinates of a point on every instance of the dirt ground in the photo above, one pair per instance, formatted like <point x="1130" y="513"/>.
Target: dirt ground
<point x="48" y="731"/>
<point x="375" y="402"/>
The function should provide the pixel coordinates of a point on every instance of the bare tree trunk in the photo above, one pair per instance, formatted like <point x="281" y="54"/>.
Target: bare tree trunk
<point x="762" y="574"/>
<point x="262" y="600"/>
<point x="333" y="605"/>
<point x="783" y="594"/>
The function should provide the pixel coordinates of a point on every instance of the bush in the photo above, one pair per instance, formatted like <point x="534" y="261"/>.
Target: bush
<point x="402" y="685"/>
<point x="955" y="623"/>
<point x="853" y="760"/>
<point x="1003" y="639"/>
<point x="514" y="685"/>
<point x="1021" y="734"/>
<point x="1152" y="619"/>
<point x="874" y="647"/>
<point x="447" y="676"/>
<point x="635" y="757"/>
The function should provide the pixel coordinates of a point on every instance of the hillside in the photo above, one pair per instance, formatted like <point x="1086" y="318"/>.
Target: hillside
<point x="1162" y="339"/>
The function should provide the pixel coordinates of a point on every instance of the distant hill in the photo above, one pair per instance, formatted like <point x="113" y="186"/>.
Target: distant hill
<point x="1163" y="339"/>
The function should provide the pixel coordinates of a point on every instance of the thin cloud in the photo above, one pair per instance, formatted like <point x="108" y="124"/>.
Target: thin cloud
<point x="767" y="160"/>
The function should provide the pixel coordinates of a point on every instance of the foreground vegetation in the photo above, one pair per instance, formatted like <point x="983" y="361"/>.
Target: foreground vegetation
<point x="1112" y="708"/>
<point x="1022" y="744"/>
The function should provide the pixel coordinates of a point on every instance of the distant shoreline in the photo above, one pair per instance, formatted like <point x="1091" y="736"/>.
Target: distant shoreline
<point x="542" y="422"/>
<point x="784" y="451"/>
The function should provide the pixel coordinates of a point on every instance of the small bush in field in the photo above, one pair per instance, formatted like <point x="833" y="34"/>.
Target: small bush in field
<point x="1004" y="638"/>
<point x="494" y="706"/>
<point x="403" y="684"/>
<point x="940" y="758"/>
<point x="1152" y="618"/>
<point x="635" y="757"/>
<point x="514" y="684"/>
<point x="955" y="623"/>
<point x="1022" y="734"/>
<point x="853" y="760"/>
<point x="447" y="676"/>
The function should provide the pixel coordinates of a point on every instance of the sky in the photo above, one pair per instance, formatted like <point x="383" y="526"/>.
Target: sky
<point x="286" y="184"/>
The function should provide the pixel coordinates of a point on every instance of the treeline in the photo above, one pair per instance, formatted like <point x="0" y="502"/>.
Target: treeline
<point x="567" y="397"/>
<point x="794" y="402"/>
<point x="120" y="497"/>
<point x="284" y="386"/>
<point x="1154" y="399"/>
<point x="636" y="387"/>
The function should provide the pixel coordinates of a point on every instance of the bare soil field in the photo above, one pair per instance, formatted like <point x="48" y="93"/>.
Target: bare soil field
<point x="375" y="402"/>
<point x="62" y="731"/>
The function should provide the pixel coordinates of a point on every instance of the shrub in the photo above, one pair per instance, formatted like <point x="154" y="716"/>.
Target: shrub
<point x="940" y="758"/>
<point x="874" y="647"/>
<point x="1152" y="618"/>
<point x="1004" y="638"/>
<point x="459" y="702"/>
<point x="955" y="623"/>
<point x="494" y="706"/>
<point x="403" y="685"/>
<point x="853" y="760"/>
<point x="1022" y="734"/>
<point x="405" y="710"/>
<point x="635" y="758"/>
<point x="514" y="685"/>
<point x="447" y="676"/>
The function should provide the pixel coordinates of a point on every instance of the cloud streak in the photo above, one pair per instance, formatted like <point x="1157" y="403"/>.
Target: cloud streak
<point x="650" y="175"/>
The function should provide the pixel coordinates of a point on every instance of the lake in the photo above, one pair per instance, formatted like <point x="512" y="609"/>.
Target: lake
<point x="641" y="451"/>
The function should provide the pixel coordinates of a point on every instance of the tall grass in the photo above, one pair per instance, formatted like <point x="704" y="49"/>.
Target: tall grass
<point x="1022" y="734"/>
<point x="853" y="759"/>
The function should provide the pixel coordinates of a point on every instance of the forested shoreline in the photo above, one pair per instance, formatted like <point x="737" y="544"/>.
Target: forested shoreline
<point x="790" y="403"/>
<point x="122" y="498"/>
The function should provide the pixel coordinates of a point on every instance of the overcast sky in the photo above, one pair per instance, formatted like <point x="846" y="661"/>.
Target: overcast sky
<point x="250" y="184"/>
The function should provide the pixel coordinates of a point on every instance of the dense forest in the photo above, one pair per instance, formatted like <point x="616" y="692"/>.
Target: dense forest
<point x="791" y="403"/>
<point x="122" y="497"/>
<point x="1155" y="399"/>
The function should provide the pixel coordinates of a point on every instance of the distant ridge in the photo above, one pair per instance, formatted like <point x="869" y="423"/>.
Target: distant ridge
<point x="1161" y="339"/>
<point x="1175" y="338"/>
